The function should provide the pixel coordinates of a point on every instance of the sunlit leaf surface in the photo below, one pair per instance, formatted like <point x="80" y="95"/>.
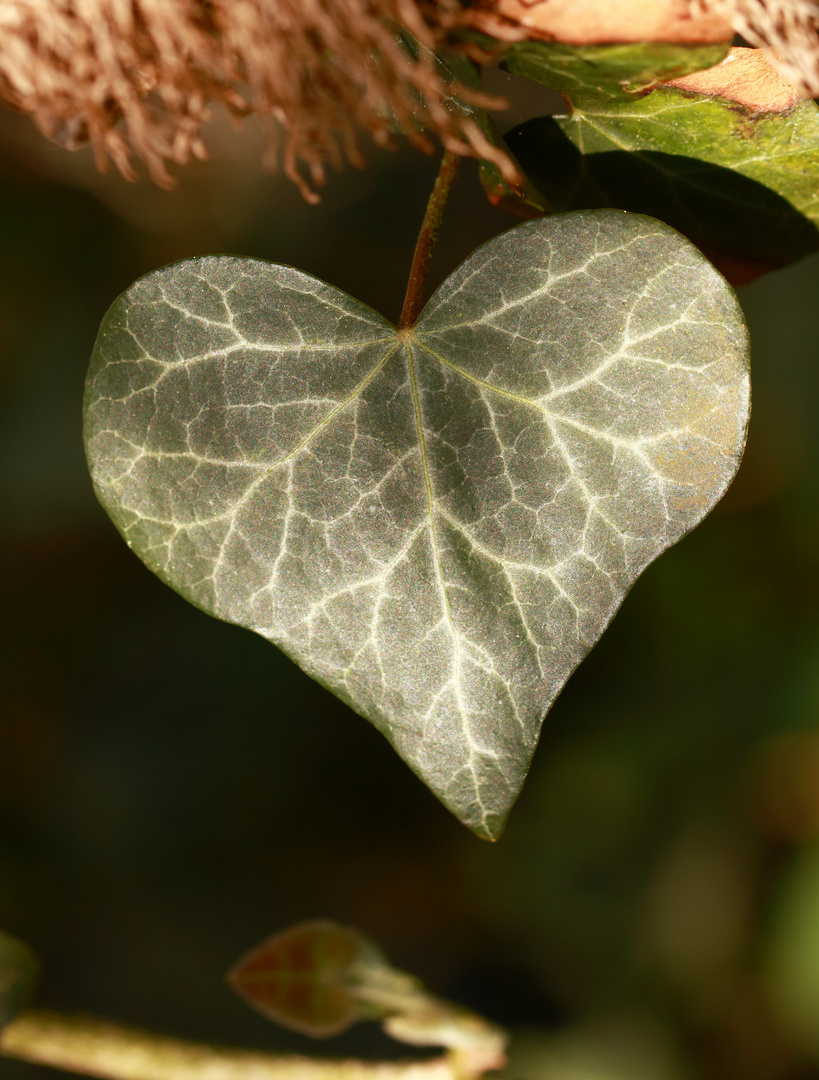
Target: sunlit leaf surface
<point x="439" y="523"/>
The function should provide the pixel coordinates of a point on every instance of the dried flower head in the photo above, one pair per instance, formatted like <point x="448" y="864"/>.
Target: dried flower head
<point x="139" y="77"/>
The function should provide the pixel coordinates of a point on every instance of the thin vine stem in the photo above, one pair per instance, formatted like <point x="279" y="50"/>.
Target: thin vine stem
<point x="425" y="245"/>
<point x="83" y="1044"/>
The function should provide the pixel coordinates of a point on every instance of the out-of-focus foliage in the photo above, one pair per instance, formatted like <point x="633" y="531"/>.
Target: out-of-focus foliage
<point x="792" y="968"/>
<point x="19" y="969"/>
<point x="171" y="788"/>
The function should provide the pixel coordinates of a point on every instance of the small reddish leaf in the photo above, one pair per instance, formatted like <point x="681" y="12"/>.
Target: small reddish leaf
<point x="299" y="978"/>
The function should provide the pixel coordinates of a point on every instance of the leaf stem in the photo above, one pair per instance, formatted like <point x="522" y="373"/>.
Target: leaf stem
<point x="83" y="1044"/>
<point x="425" y="244"/>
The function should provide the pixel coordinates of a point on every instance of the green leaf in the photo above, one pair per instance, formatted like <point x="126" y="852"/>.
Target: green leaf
<point x="595" y="73"/>
<point x="19" y="970"/>
<point x="435" y="523"/>
<point x="742" y="183"/>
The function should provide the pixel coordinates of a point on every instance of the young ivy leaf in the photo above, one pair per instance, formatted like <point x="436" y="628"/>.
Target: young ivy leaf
<point x="304" y="977"/>
<point x="436" y="523"/>
<point x="735" y="177"/>
<point x="319" y="978"/>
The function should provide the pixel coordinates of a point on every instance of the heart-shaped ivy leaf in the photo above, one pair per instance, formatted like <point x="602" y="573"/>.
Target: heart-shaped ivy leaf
<point x="305" y="977"/>
<point x="436" y="523"/>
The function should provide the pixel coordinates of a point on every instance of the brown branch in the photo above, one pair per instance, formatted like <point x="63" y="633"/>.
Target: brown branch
<point x="425" y="245"/>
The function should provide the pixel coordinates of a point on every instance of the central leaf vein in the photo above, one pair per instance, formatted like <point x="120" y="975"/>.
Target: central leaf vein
<point x="436" y="557"/>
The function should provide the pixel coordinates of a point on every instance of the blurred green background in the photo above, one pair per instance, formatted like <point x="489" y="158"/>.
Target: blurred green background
<point x="173" y="790"/>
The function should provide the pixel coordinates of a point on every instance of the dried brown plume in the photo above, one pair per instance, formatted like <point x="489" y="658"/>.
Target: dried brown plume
<point x="138" y="78"/>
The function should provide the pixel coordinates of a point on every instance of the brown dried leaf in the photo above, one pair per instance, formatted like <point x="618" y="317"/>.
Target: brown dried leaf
<point x="788" y="28"/>
<point x="746" y="77"/>
<point x="137" y="78"/>
<point x="587" y="22"/>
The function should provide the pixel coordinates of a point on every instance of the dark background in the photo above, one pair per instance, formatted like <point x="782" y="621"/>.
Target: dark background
<point x="173" y="790"/>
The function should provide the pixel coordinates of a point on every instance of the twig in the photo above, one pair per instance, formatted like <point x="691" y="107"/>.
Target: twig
<point x="83" y="1044"/>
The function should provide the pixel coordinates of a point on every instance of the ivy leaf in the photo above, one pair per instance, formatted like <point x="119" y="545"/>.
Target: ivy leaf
<point x="437" y="523"/>
<point x="305" y="977"/>
<point x="728" y="177"/>
<point x="596" y="73"/>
